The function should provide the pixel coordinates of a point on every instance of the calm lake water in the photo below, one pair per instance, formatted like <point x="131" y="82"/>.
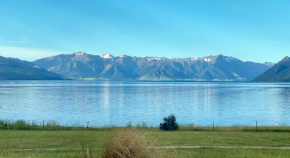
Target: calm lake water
<point x="116" y="103"/>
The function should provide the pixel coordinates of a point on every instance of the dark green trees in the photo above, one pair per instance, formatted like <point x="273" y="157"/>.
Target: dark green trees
<point x="169" y="123"/>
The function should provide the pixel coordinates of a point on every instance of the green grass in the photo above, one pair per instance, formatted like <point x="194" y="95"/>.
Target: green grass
<point x="191" y="153"/>
<point x="71" y="143"/>
<point x="232" y="153"/>
<point x="62" y="141"/>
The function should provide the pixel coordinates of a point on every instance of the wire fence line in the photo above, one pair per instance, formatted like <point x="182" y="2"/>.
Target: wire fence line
<point x="52" y="124"/>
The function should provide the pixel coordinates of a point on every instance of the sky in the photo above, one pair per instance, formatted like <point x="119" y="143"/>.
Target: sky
<point x="251" y="30"/>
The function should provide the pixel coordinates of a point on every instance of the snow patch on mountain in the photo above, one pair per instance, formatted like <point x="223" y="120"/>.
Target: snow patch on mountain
<point x="123" y="56"/>
<point x="207" y="60"/>
<point x="269" y="63"/>
<point x="79" y="53"/>
<point x="107" y="56"/>
<point x="153" y="58"/>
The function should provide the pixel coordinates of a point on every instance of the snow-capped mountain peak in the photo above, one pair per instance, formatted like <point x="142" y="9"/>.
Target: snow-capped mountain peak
<point x="207" y="60"/>
<point x="79" y="53"/>
<point x="153" y="58"/>
<point x="107" y="56"/>
<point x="269" y="63"/>
<point x="123" y="56"/>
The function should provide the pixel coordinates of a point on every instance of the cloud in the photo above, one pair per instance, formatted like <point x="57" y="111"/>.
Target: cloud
<point x="29" y="54"/>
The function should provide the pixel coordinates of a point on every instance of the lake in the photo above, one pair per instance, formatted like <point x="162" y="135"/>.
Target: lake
<point x="117" y="103"/>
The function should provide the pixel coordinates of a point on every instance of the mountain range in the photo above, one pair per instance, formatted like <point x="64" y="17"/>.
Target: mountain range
<point x="280" y="72"/>
<point x="15" y="69"/>
<point x="107" y="67"/>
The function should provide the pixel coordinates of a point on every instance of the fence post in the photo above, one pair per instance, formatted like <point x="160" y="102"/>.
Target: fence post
<point x="212" y="125"/>
<point x="88" y="122"/>
<point x="256" y="125"/>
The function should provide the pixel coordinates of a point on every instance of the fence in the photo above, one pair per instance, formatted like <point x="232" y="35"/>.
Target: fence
<point x="53" y="125"/>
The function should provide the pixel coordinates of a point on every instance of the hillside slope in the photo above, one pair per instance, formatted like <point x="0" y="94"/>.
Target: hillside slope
<point x="278" y="73"/>
<point x="15" y="69"/>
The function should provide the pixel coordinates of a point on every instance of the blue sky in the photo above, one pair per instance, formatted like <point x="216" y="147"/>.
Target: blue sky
<point x="251" y="30"/>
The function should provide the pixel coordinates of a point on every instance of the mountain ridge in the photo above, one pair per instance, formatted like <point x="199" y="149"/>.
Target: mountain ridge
<point x="280" y="72"/>
<point x="108" y="67"/>
<point x="16" y="69"/>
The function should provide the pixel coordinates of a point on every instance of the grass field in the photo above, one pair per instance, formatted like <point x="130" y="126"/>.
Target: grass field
<point x="74" y="143"/>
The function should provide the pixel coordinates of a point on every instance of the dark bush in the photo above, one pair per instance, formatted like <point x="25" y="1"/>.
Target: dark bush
<point x="169" y="123"/>
<point x="21" y="125"/>
<point x="2" y="124"/>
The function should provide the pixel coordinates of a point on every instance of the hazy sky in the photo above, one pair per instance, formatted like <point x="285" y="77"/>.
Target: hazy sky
<point x="253" y="30"/>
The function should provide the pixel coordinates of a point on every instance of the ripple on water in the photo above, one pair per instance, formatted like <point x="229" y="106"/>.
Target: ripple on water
<point x="116" y="103"/>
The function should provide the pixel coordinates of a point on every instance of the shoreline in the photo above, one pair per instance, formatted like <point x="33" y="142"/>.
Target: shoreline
<point x="54" y="126"/>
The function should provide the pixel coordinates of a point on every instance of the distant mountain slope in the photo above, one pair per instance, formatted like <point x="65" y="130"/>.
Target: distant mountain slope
<point x="278" y="73"/>
<point x="81" y="65"/>
<point x="15" y="69"/>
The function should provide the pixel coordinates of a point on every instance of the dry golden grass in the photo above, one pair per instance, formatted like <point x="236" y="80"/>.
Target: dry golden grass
<point x="130" y="144"/>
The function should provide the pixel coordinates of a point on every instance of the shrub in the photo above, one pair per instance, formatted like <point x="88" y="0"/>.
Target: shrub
<point x="52" y="125"/>
<point x="169" y="123"/>
<point x="129" y="125"/>
<point x="21" y="125"/>
<point x="128" y="144"/>
<point x="2" y="124"/>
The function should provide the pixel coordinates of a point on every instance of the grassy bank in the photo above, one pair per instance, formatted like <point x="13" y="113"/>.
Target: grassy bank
<point x="74" y="143"/>
<point x="28" y="139"/>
